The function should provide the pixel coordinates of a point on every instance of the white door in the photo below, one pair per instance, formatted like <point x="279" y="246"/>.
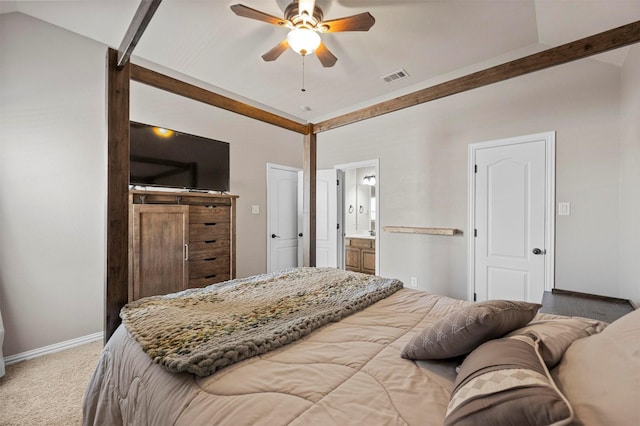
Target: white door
<point x="282" y="217"/>
<point x="512" y="246"/>
<point x="327" y="218"/>
<point x="340" y="217"/>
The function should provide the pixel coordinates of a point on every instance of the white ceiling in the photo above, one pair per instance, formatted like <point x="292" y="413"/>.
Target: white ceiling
<point x="432" y="40"/>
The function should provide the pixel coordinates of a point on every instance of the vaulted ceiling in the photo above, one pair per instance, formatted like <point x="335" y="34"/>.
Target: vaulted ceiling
<point x="432" y="41"/>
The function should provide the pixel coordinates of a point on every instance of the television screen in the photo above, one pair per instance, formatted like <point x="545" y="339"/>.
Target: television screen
<point x="166" y="158"/>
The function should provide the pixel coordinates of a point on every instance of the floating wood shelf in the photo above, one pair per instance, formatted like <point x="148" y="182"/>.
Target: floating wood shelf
<point x="420" y="230"/>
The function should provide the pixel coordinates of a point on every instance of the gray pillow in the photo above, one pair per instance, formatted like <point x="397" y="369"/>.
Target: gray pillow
<point x="600" y="374"/>
<point x="461" y="332"/>
<point x="557" y="334"/>
<point x="505" y="382"/>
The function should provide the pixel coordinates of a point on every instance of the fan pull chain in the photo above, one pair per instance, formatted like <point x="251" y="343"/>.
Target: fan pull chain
<point x="303" y="89"/>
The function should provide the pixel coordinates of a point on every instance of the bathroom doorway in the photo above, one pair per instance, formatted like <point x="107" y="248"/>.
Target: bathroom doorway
<point x="358" y="216"/>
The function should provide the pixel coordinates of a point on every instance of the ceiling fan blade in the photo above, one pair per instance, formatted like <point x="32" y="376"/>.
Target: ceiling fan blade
<point x="359" y="22"/>
<point x="247" y="12"/>
<point x="327" y="59"/>
<point x="306" y="6"/>
<point x="275" y="53"/>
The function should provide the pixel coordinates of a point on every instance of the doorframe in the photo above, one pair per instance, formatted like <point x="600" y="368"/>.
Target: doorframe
<point x="341" y="193"/>
<point x="550" y="200"/>
<point x="270" y="167"/>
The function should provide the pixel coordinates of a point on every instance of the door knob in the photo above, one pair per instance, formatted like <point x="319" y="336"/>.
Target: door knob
<point x="300" y="234"/>
<point x="538" y="251"/>
<point x="275" y="236"/>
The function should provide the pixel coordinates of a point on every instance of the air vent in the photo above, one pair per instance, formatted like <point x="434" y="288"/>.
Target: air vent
<point x="395" y="76"/>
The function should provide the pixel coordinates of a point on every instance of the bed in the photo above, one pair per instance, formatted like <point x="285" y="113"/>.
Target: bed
<point x="386" y="356"/>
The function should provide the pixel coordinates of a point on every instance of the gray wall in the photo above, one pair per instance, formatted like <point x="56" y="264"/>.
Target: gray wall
<point x="423" y="173"/>
<point x="630" y="178"/>
<point x="53" y="178"/>
<point x="52" y="184"/>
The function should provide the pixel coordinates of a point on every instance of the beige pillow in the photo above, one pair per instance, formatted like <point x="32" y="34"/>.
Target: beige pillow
<point x="600" y="374"/>
<point x="461" y="332"/>
<point x="505" y="382"/>
<point x="558" y="334"/>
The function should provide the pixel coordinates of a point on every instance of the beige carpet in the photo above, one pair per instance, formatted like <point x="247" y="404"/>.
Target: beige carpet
<point x="48" y="390"/>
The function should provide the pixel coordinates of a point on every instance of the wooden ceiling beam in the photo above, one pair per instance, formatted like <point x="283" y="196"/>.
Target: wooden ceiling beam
<point x="178" y="87"/>
<point x="141" y="19"/>
<point x="579" y="49"/>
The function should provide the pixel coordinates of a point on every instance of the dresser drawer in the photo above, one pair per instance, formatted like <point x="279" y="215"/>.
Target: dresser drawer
<point x="209" y="231"/>
<point x="362" y="243"/>
<point x="209" y="214"/>
<point x="212" y="279"/>
<point x="208" y="268"/>
<point x="204" y="250"/>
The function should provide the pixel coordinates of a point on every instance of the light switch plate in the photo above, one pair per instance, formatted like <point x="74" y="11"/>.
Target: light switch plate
<point x="564" y="209"/>
<point x="255" y="209"/>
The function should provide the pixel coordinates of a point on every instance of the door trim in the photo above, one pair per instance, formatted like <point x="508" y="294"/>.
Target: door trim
<point x="270" y="167"/>
<point x="550" y="197"/>
<point x="356" y="165"/>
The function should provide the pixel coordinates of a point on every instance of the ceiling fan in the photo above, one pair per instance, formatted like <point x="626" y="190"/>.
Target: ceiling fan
<point x="304" y="19"/>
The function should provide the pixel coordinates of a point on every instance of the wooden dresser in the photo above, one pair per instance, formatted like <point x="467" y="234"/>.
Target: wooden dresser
<point x="180" y="240"/>
<point x="360" y="255"/>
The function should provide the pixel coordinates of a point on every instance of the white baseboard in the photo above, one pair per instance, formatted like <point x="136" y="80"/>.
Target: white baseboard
<point x="57" y="347"/>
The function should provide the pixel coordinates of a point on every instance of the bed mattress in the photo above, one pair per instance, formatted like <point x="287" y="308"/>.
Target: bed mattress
<point x="349" y="372"/>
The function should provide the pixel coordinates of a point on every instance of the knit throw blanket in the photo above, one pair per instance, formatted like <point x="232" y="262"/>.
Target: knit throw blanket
<point x="203" y="330"/>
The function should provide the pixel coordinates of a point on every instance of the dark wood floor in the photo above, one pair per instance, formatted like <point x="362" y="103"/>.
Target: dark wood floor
<point x="570" y="303"/>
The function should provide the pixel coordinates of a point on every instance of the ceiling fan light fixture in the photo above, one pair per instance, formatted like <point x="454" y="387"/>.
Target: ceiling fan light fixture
<point x="303" y="41"/>
<point x="305" y="20"/>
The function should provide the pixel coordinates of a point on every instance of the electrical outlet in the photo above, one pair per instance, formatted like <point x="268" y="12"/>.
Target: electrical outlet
<point x="255" y="209"/>
<point x="414" y="282"/>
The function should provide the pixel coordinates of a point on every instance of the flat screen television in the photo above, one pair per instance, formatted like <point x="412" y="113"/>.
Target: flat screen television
<point x="166" y="158"/>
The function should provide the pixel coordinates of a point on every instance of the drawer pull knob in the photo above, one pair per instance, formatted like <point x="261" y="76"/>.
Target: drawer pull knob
<point x="211" y="276"/>
<point x="211" y="258"/>
<point x="210" y="241"/>
<point x="210" y="223"/>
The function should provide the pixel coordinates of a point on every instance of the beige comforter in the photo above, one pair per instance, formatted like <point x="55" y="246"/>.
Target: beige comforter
<point x="348" y="372"/>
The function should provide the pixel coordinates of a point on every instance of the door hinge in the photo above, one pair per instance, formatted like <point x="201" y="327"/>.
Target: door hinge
<point x="337" y="226"/>
<point x="338" y="182"/>
<point x="475" y="232"/>
<point x="475" y="297"/>
<point x="475" y="168"/>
